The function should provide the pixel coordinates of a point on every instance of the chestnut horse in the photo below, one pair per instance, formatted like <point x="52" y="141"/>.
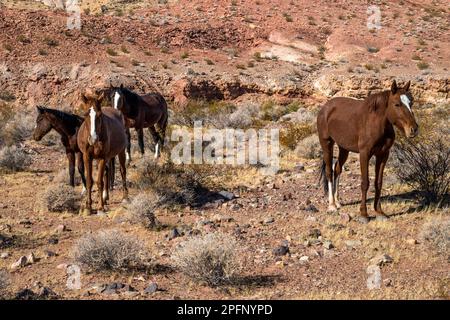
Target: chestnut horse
<point x="102" y="136"/>
<point x="146" y="111"/>
<point x="365" y="127"/>
<point x="67" y="125"/>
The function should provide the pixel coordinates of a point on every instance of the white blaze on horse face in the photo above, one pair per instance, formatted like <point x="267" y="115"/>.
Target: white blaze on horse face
<point x="93" y="133"/>
<point x="405" y="100"/>
<point x="116" y="100"/>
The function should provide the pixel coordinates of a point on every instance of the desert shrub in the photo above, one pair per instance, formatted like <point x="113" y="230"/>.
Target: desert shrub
<point x="61" y="197"/>
<point x="243" y="117"/>
<point x="142" y="207"/>
<point x="13" y="159"/>
<point x="174" y="184"/>
<point x="301" y="116"/>
<point x="110" y="250"/>
<point x="16" y="128"/>
<point x="294" y="132"/>
<point x="309" y="147"/>
<point x="436" y="234"/>
<point x="270" y="111"/>
<point x="212" y="259"/>
<point x="424" y="166"/>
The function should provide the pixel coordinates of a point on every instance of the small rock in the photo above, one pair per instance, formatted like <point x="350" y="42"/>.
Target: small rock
<point x="328" y="245"/>
<point x="22" y="262"/>
<point x="281" y="250"/>
<point x="152" y="288"/>
<point x="344" y="217"/>
<point x="49" y="253"/>
<point x="227" y="195"/>
<point x="374" y="279"/>
<point x="269" y="220"/>
<point x="381" y="260"/>
<point x="352" y="243"/>
<point x="387" y="282"/>
<point x="31" y="258"/>
<point x="304" y="259"/>
<point x="4" y="255"/>
<point x="173" y="234"/>
<point x="411" y="241"/>
<point x="60" y="228"/>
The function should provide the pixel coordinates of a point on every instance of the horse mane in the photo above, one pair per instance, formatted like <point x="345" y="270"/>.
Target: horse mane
<point x="377" y="100"/>
<point x="133" y="100"/>
<point x="70" y="119"/>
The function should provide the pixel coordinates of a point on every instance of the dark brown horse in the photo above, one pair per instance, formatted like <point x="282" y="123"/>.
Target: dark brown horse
<point x="146" y="111"/>
<point x="102" y="137"/>
<point x="67" y="125"/>
<point x="365" y="127"/>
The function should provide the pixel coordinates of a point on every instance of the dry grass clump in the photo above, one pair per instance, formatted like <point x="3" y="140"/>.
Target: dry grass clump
<point x="436" y="234"/>
<point x="243" y="117"/>
<point x="309" y="147"/>
<point x="111" y="250"/>
<point x="174" y="184"/>
<point x="270" y="111"/>
<point x="142" y="207"/>
<point x="61" y="197"/>
<point x="13" y="159"/>
<point x="424" y="166"/>
<point x="294" y="132"/>
<point x="212" y="259"/>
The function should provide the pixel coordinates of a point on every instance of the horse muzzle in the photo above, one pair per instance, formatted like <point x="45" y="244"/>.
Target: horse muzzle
<point x="412" y="132"/>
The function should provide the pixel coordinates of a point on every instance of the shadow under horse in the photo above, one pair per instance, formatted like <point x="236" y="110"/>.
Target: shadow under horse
<point x="141" y="111"/>
<point x="365" y="127"/>
<point x="102" y="137"/>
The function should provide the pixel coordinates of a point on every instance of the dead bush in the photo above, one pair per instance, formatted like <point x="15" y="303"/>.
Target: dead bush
<point x="142" y="207"/>
<point x="61" y="197"/>
<point x="174" y="184"/>
<point x="111" y="250"/>
<point x="424" y="166"/>
<point x="309" y="148"/>
<point x="13" y="159"/>
<point x="16" y="129"/>
<point x="212" y="259"/>
<point x="436" y="234"/>
<point x="243" y="117"/>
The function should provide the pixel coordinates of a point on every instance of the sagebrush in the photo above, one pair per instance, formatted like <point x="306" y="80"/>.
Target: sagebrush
<point x="436" y="234"/>
<point x="212" y="259"/>
<point x="13" y="159"/>
<point x="61" y="197"/>
<point x="309" y="147"/>
<point x="425" y="166"/>
<point x="111" y="250"/>
<point x="142" y="209"/>
<point x="4" y="281"/>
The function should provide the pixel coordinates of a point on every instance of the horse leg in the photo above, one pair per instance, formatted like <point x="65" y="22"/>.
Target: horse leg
<point x="162" y="125"/>
<point x="112" y="173"/>
<point x="123" y="173"/>
<point x="342" y="158"/>
<point x="71" y="159"/>
<point x="88" y="165"/>
<point x="327" y="146"/>
<point x="379" y="169"/>
<point x="140" y="133"/>
<point x="156" y="139"/>
<point x="364" y="163"/>
<point x="128" y="133"/>
<point x="100" y="184"/>
<point x="80" y="166"/>
<point x="106" y="181"/>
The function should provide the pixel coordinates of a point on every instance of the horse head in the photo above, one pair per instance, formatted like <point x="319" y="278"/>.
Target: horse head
<point x="93" y="117"/>
<point x="43" y="124"/>
<point x="117" y="97"/>
<point x="399" y="109"/>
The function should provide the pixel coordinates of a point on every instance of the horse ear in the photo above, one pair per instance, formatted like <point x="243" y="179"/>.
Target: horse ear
<point x="40" y="109"/>
<point x="408" y="84"/>
<point x="84" y="99"/>
<point x="121" y="86"/>
<point x="394" y="87"/>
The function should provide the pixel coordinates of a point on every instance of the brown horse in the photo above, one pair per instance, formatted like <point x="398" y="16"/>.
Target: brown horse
<point x="146" y="111"/>
<point x="102" y="136"/>
<point x="365" y="127"/>
<point x="67" y="125"/>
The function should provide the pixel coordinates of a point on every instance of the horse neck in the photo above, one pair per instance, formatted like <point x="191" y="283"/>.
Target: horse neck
<point x="132" y="108"/>
<point x="62" y="126"/>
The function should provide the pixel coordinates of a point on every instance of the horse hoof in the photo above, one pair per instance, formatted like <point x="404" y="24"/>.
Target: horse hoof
<point x="338" y="205"/>
<point x="332" y="209"/>
<point x="363" y="219"/>
<point x="381" y="217"/>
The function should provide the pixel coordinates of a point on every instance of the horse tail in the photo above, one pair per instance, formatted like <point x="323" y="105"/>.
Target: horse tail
<point x="323" y="177"/>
